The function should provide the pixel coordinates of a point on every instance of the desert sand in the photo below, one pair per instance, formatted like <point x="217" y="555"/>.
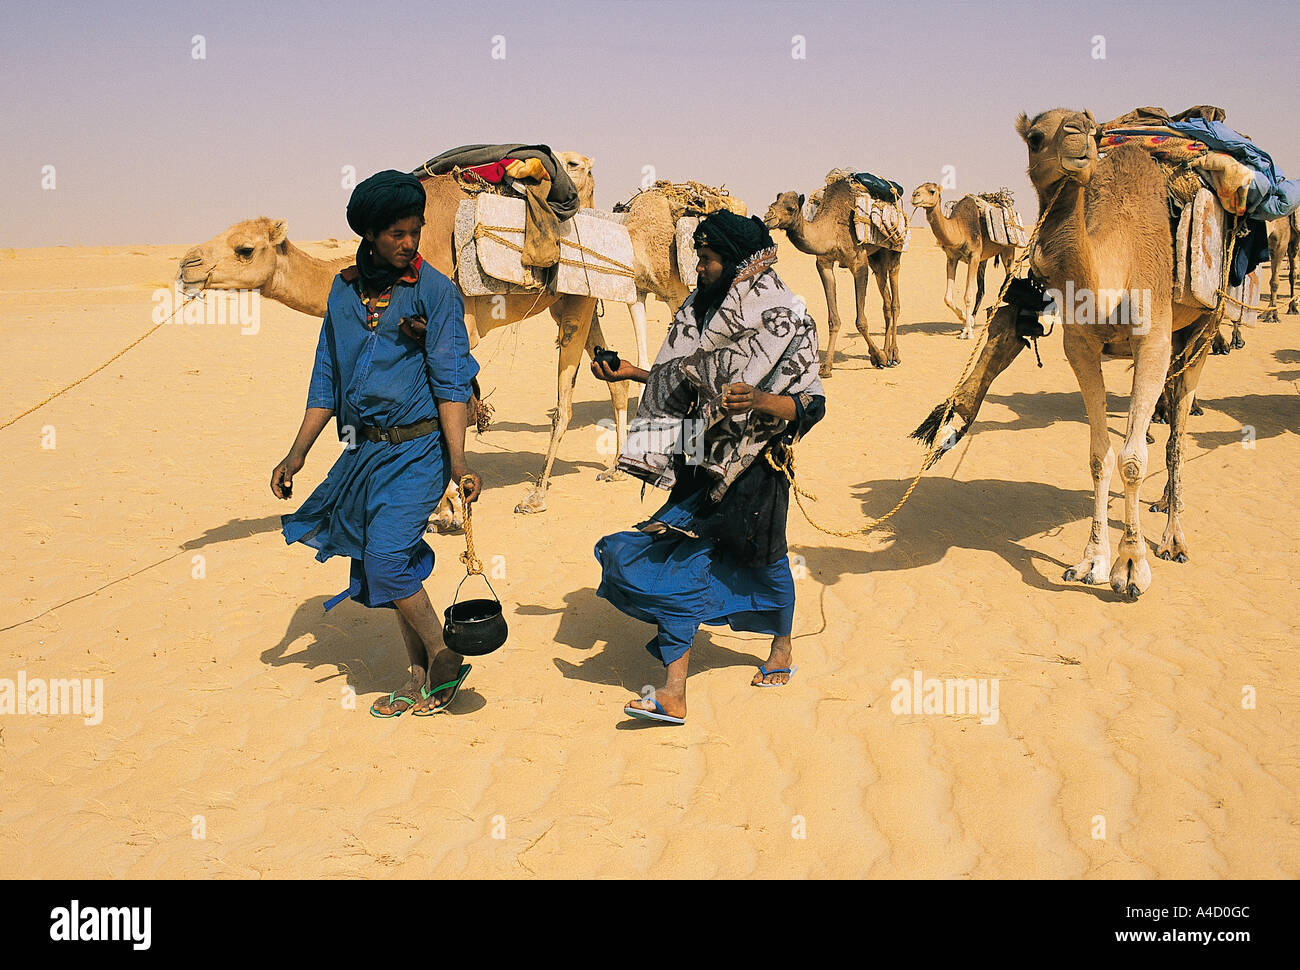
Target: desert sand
<point x="1146" y="739"/>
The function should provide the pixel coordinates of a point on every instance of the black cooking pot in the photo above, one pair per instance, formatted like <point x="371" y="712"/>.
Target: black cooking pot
<point x="475" y="627"/>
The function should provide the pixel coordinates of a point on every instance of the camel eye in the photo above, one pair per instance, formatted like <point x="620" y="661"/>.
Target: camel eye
<point x="1035" y="140"/>
<point x="244" y="252"/>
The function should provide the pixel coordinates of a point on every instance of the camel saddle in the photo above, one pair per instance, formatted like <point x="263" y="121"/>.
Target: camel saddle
<point x="1002" y="222"/>
<point x="595" y="252"/>
<point x="1200" y="249"/>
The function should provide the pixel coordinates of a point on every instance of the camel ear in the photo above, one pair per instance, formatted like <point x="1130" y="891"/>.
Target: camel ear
<point x="1022" y="125"/>
<point x="1088" y="114"/>
<point x="801" y="198"/>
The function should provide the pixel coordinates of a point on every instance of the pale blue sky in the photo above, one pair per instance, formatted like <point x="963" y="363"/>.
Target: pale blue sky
<point x="151" y="145"/>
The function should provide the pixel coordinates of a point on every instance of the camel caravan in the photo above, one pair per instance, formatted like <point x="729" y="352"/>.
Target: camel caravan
<point x="1151" y="229"/>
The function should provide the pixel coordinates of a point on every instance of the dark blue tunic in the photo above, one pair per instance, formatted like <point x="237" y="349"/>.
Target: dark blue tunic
<point x="375" y="502"/>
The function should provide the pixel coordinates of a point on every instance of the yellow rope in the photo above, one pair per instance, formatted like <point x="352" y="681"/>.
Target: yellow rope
<point x="80" y="380"/>
<point x="787" y="465"/>
<point x="473" y="565"/>
<point x="622" y="269"/>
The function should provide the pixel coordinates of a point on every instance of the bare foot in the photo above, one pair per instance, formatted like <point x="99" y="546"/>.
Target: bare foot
<point x="401" y="700"/>
<point x="674" y="705"/>
<point x="777" y="660"/>
<point x="444" y="669"/>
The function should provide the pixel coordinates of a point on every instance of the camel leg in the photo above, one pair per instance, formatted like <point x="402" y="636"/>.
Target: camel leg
<point x="1131" y="573"/>
<point x="861" y="277"/>
<point x="979" y="288"/>
<point x="951" y="270"/>
<point x="1270" y="315"/>
<point x="827" y="272"/>
<point x="575" y="316"/>
<point x="968" y="315"/>
<point x="1291" y="309"/>
<point x="893" y="308"/>
<point x="637" y="310"/>
<point x="618" y="395"/>
<point x="1181" y="390"/>
<point x="1085" y="361"/>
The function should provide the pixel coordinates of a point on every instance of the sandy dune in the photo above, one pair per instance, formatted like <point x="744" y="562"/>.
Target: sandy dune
<point x="226" y="698"/>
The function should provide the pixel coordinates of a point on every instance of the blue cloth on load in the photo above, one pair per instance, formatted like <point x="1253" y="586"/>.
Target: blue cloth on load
<point x="678" y="583"/>
<point x="1272" y="195"/>
<point x="375" y="503"/>
<point x="879" y="188"/>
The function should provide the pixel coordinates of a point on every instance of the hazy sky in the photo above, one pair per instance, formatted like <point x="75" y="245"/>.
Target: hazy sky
<point x="151" y="144"/>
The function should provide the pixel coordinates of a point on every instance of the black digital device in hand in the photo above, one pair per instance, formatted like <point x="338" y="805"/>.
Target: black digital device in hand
<point x="607" y="357"/>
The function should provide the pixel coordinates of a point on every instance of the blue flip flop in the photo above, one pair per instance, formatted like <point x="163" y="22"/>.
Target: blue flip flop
<point x="426" y="693"/>
<point x="776" y="670"/>
<point x="658" y="714"/>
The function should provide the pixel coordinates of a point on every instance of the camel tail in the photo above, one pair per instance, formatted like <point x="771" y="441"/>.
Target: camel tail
<point x="929" y="429"/>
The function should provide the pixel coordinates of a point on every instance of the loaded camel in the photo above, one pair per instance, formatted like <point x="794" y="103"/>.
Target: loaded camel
<point x="1283" y="241"/>
<point x="963" y="238"/>
<point x="829" y="238"/>
<point x="1107" y="231"/>
<point x="257" y="254"/>
<point x="651" y="223"/>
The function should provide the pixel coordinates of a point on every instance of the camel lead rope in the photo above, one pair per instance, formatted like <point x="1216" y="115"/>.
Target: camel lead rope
<point x="473" y="565"/>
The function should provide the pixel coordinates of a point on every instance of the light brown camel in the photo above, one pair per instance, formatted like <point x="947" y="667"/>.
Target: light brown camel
<point x="1283" y="241"/>
<point x="651" y="224"/>
<point x="257" y="254"/>
<point x="1107" y="238"/>
<point x="829" y="237"/>
<point x="963" y="238"/>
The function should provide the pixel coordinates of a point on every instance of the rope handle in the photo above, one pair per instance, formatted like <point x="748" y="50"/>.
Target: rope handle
<point x="473" y="565"/>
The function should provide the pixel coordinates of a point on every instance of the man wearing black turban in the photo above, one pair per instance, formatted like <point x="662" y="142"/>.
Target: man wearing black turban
<point x="393" y="369"/>
<point x="732" y="239"/>
<point x="736" y="375"/>
<point x="378" y="203"/>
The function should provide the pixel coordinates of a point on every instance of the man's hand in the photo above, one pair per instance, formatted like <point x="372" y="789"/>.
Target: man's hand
<point x="738" y="398"/>
<point x="624" y="372"/>
<point x="282" y="477"/>
<point x="468" y="491"/>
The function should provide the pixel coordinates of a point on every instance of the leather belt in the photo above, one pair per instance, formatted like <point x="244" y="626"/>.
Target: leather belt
<point x="405" y="432"/>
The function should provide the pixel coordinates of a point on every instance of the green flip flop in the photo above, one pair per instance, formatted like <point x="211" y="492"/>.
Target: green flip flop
<point x="393" y="698"/>
<point x="426" y="693"/>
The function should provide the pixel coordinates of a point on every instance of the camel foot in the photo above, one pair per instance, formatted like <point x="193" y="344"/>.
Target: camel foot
<point x="966" y="335"/>
<point x="1219" y="346"/>
<point x="534" y="501"/>
<point x="445" y="524"/>
<point x="1131" y="575"/>
<point x="1151" y="439"/>
<point x="1291" y="310"/>
<point x="1172" y="550"/>
<point x="1162" y="506"/>
<point x="824" y="371"/>
<point x="1091" y="571"/>
<point x="878" y="361"/>
<point x="611" y="475"/>
<point x="1238" y="342"/>
<point x="1196" y="409"/>
<point x="1269" y="316"/>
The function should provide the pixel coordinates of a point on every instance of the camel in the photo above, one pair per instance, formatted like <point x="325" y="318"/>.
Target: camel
<point x="964" y="239"/>
<point x="257" y="253"/>
<point x="651" y="224"/>
<point x="1107" y="235"/>
<point x="829" y="237"/>
<point x="1283" y="241"/>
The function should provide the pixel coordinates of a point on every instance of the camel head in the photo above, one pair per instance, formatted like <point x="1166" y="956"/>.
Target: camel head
<point x="926" y="196"/>
<point x="785" y="212"/>
<point x="578" y="168"/>
<point x="241" y="258"/>
<point x="1061" y="145"/>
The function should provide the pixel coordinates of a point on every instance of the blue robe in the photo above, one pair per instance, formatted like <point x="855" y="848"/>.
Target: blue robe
<point x="375" y="503"/>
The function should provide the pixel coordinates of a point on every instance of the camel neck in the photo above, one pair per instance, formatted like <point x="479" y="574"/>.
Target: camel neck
<point x="941" y="225"/>
<point x="300" y="280"/>
<point x="1064" y="249"/>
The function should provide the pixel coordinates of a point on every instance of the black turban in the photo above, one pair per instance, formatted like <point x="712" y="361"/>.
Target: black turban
<point x="733" y="237"/>
<point x="383" y="199"/>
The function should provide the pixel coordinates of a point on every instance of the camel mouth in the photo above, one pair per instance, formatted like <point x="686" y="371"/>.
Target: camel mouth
<point x="1076" y="164"/>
